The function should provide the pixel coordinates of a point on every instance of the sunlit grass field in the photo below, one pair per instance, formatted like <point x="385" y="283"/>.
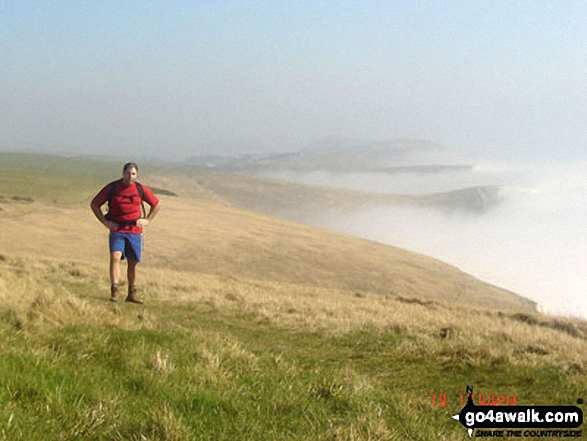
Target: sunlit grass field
<point x="254" y="328"/>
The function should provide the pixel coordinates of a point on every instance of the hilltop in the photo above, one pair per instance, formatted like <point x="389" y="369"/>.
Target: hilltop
<point x="336" y="155"/>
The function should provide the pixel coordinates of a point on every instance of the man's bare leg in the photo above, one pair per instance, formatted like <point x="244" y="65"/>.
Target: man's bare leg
<point x="115" y="258"/>
<point x="131" y="272"/>
<point x="132" y="282"/>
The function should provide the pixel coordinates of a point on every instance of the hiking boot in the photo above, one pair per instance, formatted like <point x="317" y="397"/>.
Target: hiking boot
<point x="132" y="295"/>
<point x="114" y="292"/>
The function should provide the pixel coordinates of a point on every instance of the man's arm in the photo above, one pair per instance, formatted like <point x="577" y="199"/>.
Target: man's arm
<point x="112" y="226"/>
<point x="152" y="213"/>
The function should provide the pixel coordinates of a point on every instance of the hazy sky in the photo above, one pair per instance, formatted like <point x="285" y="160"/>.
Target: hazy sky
<point x="177" y="78"/>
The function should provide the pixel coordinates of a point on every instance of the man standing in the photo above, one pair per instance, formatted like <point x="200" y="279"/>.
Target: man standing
<point x="124" y="220"/>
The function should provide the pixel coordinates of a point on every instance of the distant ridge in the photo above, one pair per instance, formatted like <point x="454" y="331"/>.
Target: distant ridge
<point x="422" y="169"/>
<point x="337" y="155"/>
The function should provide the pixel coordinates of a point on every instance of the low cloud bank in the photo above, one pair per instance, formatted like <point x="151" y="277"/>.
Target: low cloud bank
<point x="534" y="242"/>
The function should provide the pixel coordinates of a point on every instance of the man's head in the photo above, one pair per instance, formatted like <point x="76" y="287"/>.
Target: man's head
<point x="129" y="173"/>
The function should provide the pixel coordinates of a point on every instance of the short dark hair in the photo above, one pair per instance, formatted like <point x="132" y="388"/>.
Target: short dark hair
<point x="130" y="165"/>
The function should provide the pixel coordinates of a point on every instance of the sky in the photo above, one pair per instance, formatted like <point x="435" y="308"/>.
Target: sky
<point x="174" y="79"/>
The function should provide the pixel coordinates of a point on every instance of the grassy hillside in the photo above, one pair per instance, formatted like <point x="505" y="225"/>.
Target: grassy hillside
<point x="216" y="358"/>
<point x="199" y="234"/>
<point x="254" y="328"/>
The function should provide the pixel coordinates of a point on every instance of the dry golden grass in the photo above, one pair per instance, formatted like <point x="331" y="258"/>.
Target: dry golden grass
<point x="38" y="293"/>
<point x="481" y="336"/>
<point x="200" y="250"/>
<point x="202" y="236"/>
<point x="35" y="291"/>
<point x="291" y="274"/>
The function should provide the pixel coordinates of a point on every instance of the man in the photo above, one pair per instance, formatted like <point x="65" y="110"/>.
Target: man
<point x="124" y="220"/>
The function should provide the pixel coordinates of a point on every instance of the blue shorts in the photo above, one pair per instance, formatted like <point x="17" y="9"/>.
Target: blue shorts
<point x="130" y="245"/>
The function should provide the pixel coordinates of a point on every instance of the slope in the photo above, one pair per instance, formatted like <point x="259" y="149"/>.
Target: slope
<point x="196" y="234"/>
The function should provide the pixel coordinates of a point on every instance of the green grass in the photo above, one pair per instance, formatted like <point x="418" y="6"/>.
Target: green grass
<point x="203" y="373"/>
<point x="78" y="367"/>
<point x="59" y="179"/>
<point x="171" y="385"/>
<point x="29" y="186"/>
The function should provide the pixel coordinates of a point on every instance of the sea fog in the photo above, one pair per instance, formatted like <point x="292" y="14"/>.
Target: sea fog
<point x="534" y="242"/>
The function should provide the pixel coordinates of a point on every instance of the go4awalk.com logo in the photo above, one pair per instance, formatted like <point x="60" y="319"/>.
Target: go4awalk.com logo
<point x="518" y="421"/>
